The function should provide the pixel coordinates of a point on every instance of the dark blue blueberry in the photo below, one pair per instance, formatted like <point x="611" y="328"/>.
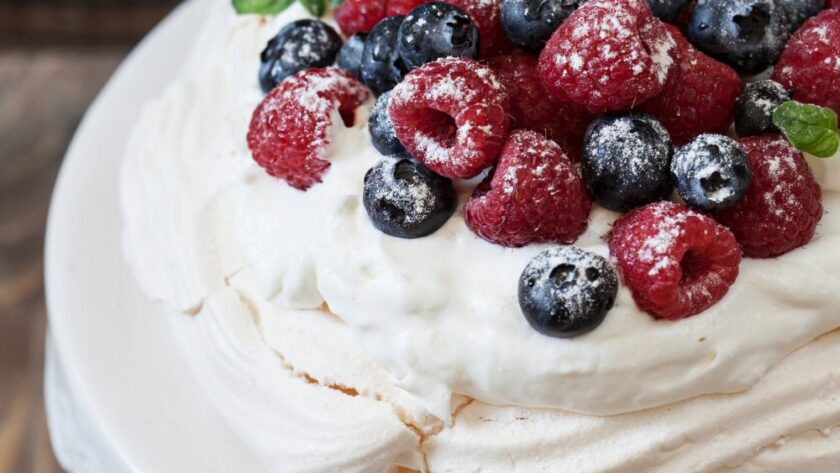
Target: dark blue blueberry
<point x="382" y="129"/>
<point x="566" y="291"/>
<point x="711" y="172"/>
<point x="668" y="10"/>
<point x="298" y="46"/>
<point x="382" y="67"/>
<point x="436" y="30"/>
<point x="350" y="55"/>
<point x="755" y="106"/>
<point x="529" y="23"/>
<point x="626" y="161"/>
<point x="798" y="11"/>
<point x="746" y="34"/>
<point x="405" y="199"/>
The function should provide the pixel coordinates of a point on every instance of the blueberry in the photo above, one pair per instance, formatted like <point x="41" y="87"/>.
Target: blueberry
<point x="755" y="106"/>
<point x="405" y="199"/>
<point x="382" y="67"/>
<point x="529" y="23"/>
<point x="746" y="34"/>
<point x="298" y="46"/>
<point x="382" y="129"/>
<point x="436" y="30"/>
<point x="711" y="172"/>
<point x="566" y="291"/>
<point x="626" y="161"/>
<point x="350" y="55"/>
<point x="799" y="11"/>
<point x="668" y="10"/>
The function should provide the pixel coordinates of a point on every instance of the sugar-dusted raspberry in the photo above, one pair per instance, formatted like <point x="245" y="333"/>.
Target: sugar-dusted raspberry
<point x="452" y="115"/>
<point x="810" y="63"/>
<point x="533" y="195"/>
<point x="359" y="16"/>
<point x="675" y="261"/>
<point x="487" y="15"/>
<point x="402" y="7"/>
<point x="699" y="96"/>
<point x="783" y="203"/>
<point x="832" y="4"/>
<point x="289" y="133"/>
<point x="532" y="108"/>
<point x="608" y="56"/>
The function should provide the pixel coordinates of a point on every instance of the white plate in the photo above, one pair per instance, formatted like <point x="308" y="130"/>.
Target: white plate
<point x="114" y="344"/>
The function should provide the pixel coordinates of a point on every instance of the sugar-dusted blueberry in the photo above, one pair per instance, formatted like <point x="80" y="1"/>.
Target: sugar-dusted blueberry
<point x="799" y="11"/>
<point x="668" y="10"/>
<point x="626" y="161"/>
<point x="436" y="30"/>
<point x="566" y="291"/>
<point x="529" y="23"/>
<point x="382" y="128"/>
<point x="746" y="34"/>
<point x="755" y="106"/>
<point x="405" y="199"/>
<point x="382" y="67"/>
<point x="350" y="54"/>
<point x="297" y="46"/>
<point x="711" y="172"/>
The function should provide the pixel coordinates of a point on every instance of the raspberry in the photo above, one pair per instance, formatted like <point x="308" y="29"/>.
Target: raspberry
<point x="608" y="56"/>
<point x="810" y="63"/>
<point x="452" y="115"/>
<point x="359" y="16"/>
<point x="783" y="203"/>
<point x="833" y="4"/>
<point x="487" y="15"/>
<point x="290" y="130"/>
<point x="699" y="96"/>
<point x="533" y="195"/>
<point x="532" y="108"/>
<point x="675" y="261"/>
<point x="403" y="7"/>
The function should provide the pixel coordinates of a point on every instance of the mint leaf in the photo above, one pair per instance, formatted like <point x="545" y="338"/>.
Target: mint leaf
<point x="810" y="128"/>
<point x="314" y="7"/>
<point x="262" y="7"/>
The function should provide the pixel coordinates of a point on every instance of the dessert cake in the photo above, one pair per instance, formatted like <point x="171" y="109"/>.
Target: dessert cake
<point x="504" y="235"/>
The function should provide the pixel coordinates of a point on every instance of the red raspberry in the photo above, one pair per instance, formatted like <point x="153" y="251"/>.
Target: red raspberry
<point x="359" y="16"/>
<point x="533" y="195"/>
<point x="675" y="261"/>
<point x="403" y="7"/>
<point x="532" y="108"/>
<point x="833" y="4"/>
<point x="783" y="203"/>
<point x="608" y="56"/>
<point x="290" y="130"/>
<point x="487" y="15"/>
<point x="452" y="115"/>
<point x="810" y="63"/>
<point x="699" y="96"/>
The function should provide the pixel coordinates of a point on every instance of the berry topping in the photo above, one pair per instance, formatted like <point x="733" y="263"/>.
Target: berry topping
<point x="746" y="34"/>
<point x="382" y="129"/>
<point x="290" y="130"/>
<point x="382" y="67"/>
<point x="810" y="64"/>
<point x="298" y="46"/>
<point x="406" y="200"/>
<point x="668" y="10"/>
<point x="436" y="30"/>
<point x="566" y="291"/>
<point x="755" y="106"/>
<point x="350" y="55"/>
<point x="798" y="11"/>
<point x="833" y="4"/>
<point x="608" y="56"/>
<point x="529" y="23"/>
<point x="675" y="261"/>
<point x="711" y="172"/>
<point x="533" y="195"/>
<point x="783" y="203"/>
<point x="532" y="108"/>
<point x="452" y="115"/>
<point x="626" y="161"/>
<point x="403" y="7"/>
<point x="359" y="16"/>
<point x="699" y="96"/>
<point x="487" y="16"/>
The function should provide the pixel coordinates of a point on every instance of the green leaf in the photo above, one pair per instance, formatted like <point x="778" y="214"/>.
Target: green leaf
<point x="336" y="3"/>
<point x="810" y="128"/>
<point x="262" y="7"/>
<point x="314" y="7"/>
